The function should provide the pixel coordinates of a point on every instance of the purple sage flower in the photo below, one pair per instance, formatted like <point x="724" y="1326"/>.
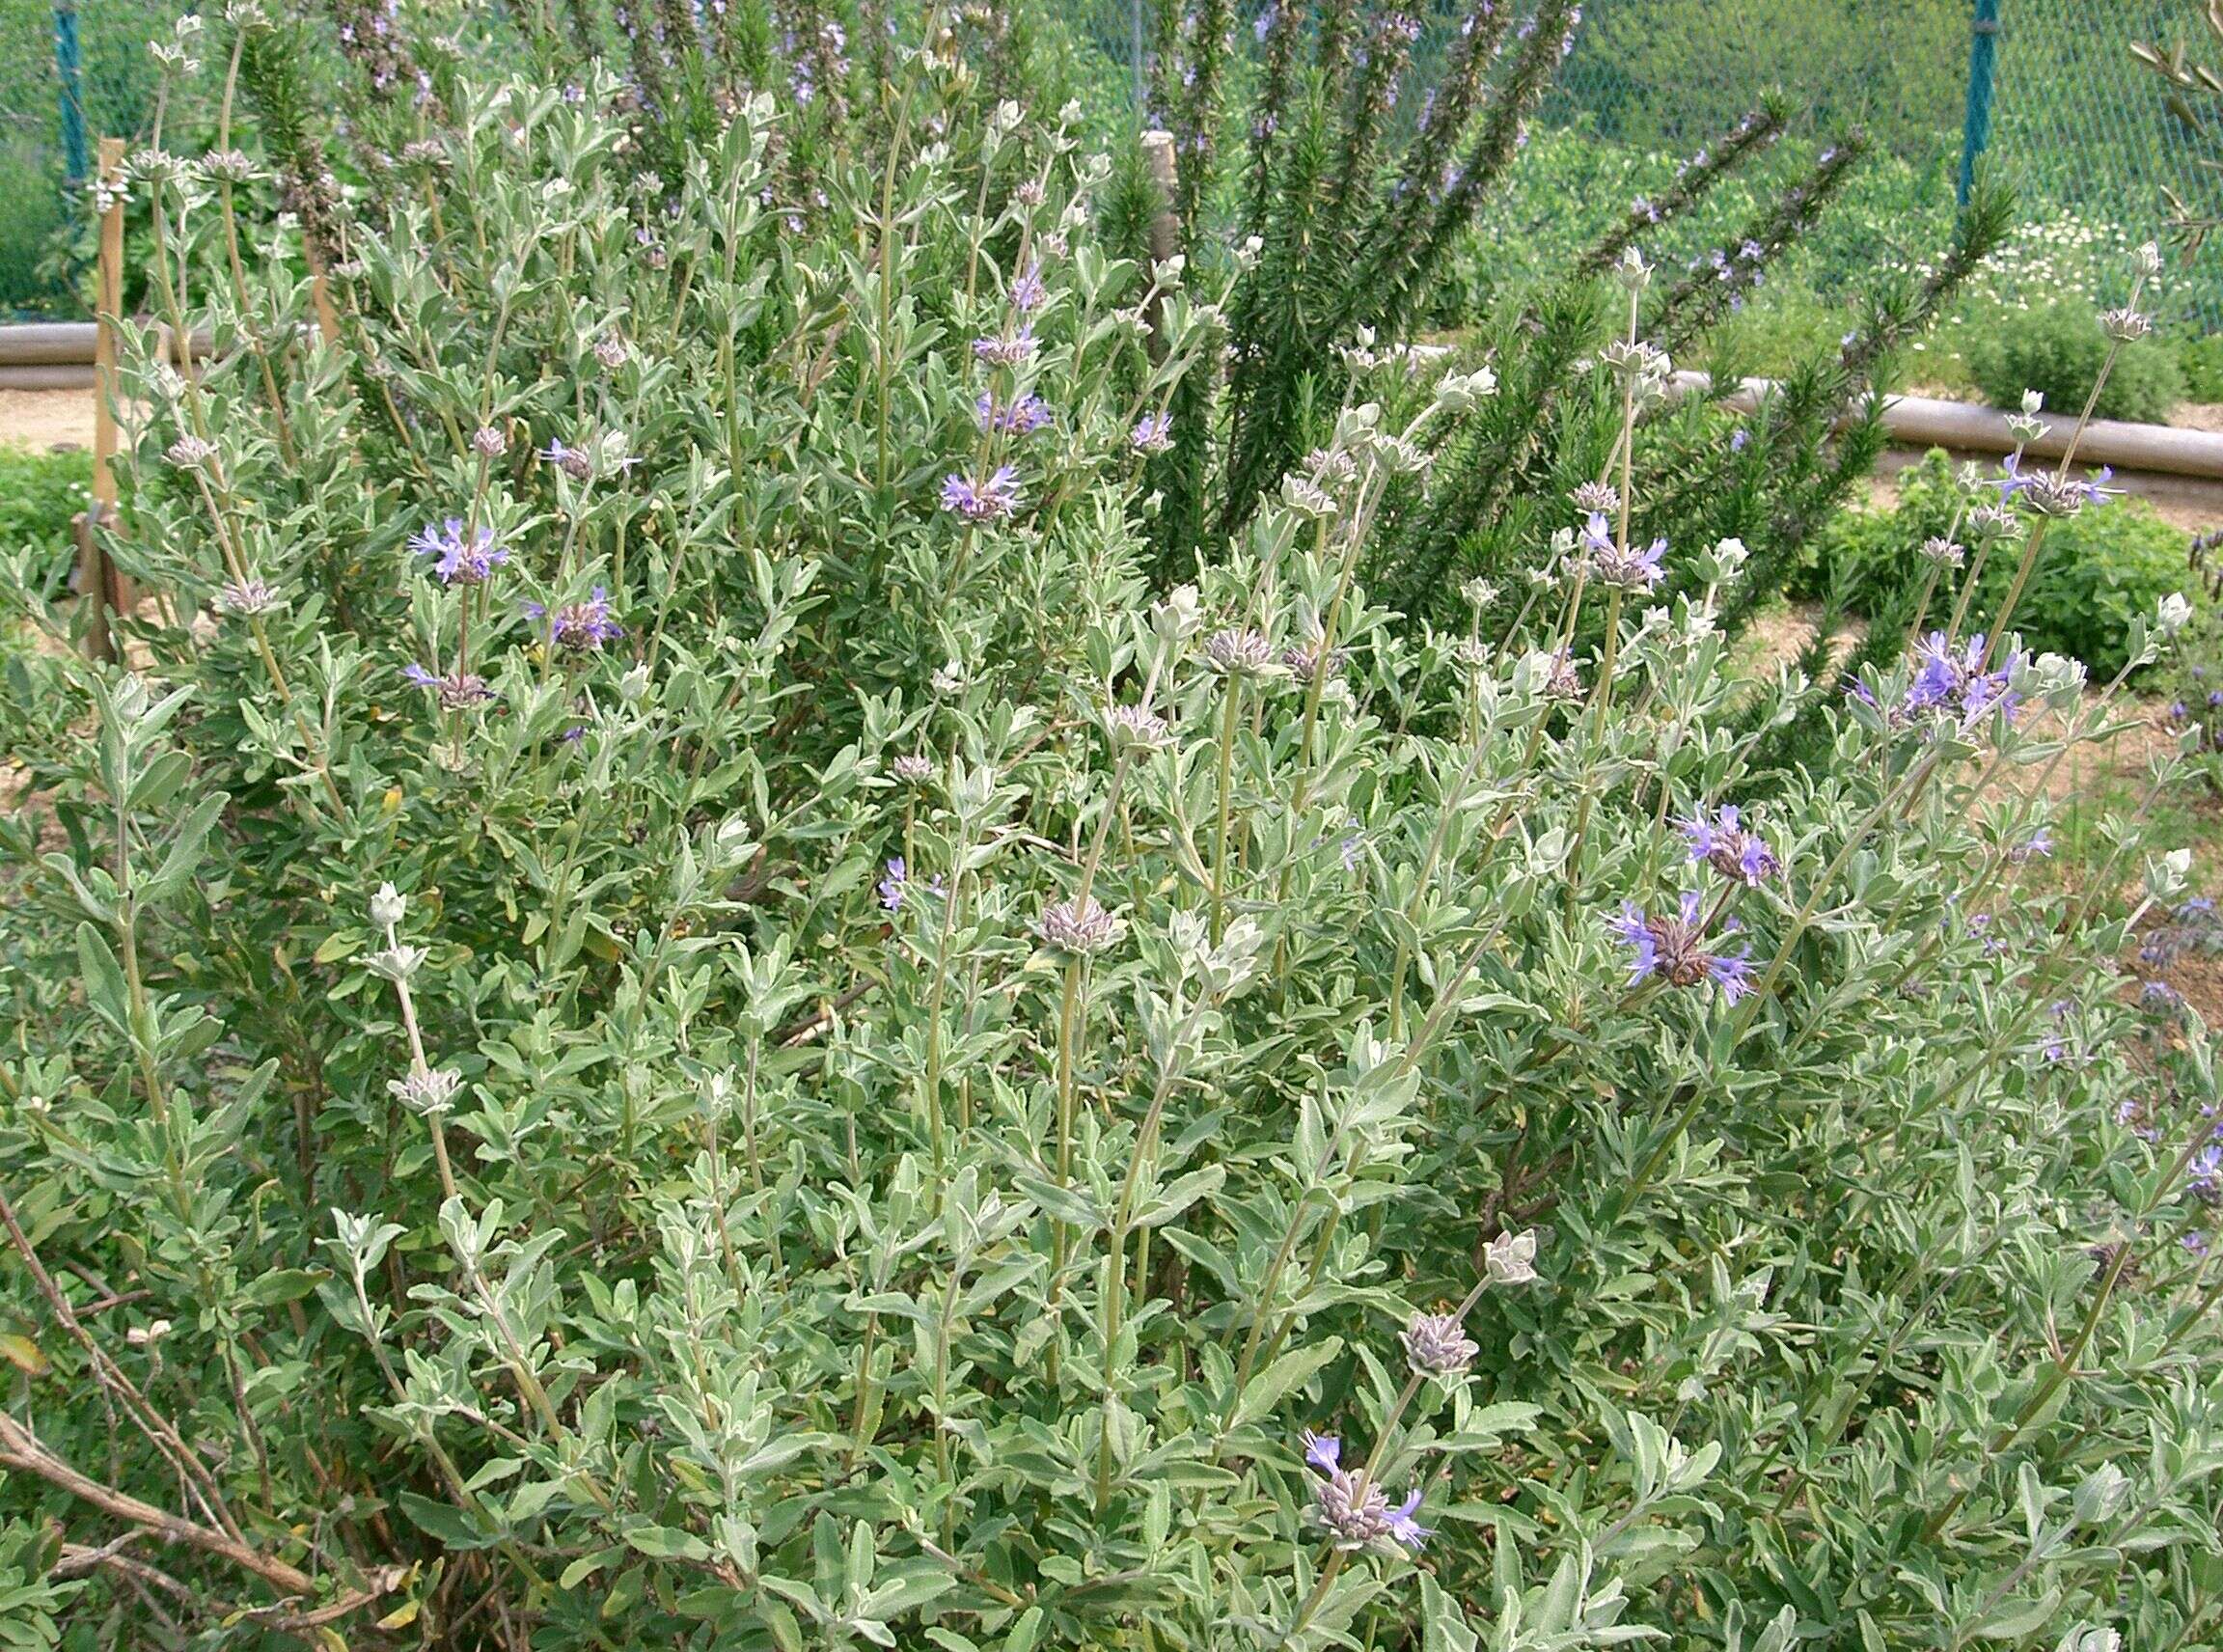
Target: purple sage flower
<point x="579" y="627"/>
<point x="1436" y="1345"/>
<point x="1724" y="843"/>
<point x="1632" y="569"/>
<point x="460" y="558"/>
<point x="1355" y="1513"/>
<point x="577" y="463"/>
<point x="457" y="691"/>
<point x="1404" y="1528"/>
<point x="1020" y="418"/>
<point x="988" y="501"/>
<point x="1007" y="352"/>
<point x="1675" y="949"/>
<point x="1153" y="433"/>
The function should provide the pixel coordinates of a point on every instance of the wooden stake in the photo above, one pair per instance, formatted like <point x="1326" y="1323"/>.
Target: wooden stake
<point x="1165" y="227"/>
<point x="320" y="293"/>
<point x="1165" y="172"/>
<point x="102" y="591"/>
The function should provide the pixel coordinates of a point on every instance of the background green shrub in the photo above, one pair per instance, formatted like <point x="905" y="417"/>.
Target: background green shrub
<point x="2058" y="351"/>
<point x="1650" y="69"/>
<point x="2201" y="361"/>
<point x="39" y="494"/>
<point x="117" y="91"/>
<point x="2098" y="572"/>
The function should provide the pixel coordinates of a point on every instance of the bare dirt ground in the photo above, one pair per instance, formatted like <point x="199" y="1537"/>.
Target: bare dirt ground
<point x="43" y="420"/>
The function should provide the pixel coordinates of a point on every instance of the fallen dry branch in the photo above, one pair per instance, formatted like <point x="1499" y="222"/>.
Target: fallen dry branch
<point x="22" y="1452"/>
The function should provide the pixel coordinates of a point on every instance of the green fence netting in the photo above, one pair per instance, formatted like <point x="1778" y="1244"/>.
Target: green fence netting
<point x="2075" y="123"/>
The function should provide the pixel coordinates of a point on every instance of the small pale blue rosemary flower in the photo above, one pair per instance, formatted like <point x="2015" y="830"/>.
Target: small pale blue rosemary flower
<point x="1153" y="433"/>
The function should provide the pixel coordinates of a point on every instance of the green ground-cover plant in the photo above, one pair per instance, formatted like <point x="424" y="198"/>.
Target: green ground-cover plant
<point x="2201" y="362"/>
<point x="2058" y="352"/>
<point x="676" y="1004"/>
<point x="1648" y="71"/>
<point x="1570" y="184"/>
<point x="40" y="493"/>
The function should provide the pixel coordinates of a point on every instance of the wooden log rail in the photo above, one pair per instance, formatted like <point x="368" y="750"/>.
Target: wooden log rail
<point x="59" y="355"/>
<point x="1925" y="422"/>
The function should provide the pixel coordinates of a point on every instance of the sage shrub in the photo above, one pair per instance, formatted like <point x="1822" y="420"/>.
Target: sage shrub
<point x="665" y="1002"/>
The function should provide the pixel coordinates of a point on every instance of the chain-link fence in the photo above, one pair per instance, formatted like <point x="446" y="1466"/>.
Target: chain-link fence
<point x="2073" y="120"/>
<point x="86" y="60"/>
<point x="2068" y="116"/>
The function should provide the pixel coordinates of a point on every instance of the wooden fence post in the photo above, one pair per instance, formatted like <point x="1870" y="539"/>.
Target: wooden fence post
<point x="1165" y="227"/>
<point x="102" y="591"/>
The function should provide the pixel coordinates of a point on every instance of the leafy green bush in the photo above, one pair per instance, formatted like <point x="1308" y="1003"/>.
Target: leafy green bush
<point x="2058" y="352"/>
<point x="1650" y="71"/>
<point x="115" y="89"/>
<point x="675" y="1007"/>
<point x="38" y="495"/>
<point x="2098" y="572"/>
<point x="2201" y="361"/>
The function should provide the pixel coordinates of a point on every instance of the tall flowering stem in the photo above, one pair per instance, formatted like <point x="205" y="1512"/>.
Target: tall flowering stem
<point x="1230" y="715"/>
<point x="1122" y="1226"/>
<point x="1609" y="655"/>
<point x="2022" y="572"/>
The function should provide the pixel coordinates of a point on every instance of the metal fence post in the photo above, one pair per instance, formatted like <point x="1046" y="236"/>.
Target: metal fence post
<point x="1976" y="123"/>
<point x="68" y="64"/>
<point x="1135" y="36"/>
